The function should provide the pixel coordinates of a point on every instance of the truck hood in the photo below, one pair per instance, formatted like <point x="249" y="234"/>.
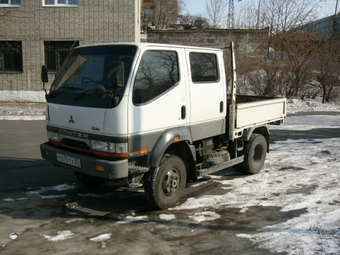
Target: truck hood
<point x="84" y="119"/>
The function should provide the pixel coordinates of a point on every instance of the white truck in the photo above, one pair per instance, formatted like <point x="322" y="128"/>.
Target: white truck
<point x="153" y="115"/>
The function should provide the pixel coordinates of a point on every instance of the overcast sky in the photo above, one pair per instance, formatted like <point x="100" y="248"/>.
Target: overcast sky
<point x="327" y="7"/>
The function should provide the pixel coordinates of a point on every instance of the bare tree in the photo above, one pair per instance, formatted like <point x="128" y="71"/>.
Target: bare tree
<point x="166" y="12"/>
<point x="279" y="16"/>
<point x="327" y="72"/>
<point x="217" y="12"/>
<point x="246" y="16"/>
<point x="194" y="22"/>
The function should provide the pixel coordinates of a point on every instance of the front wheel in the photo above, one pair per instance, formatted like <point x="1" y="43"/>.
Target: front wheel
<point x="255" y="152"/>
<point x="165" y="184"/>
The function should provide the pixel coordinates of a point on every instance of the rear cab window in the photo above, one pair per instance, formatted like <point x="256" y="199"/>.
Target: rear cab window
<point x="204" y="67"/>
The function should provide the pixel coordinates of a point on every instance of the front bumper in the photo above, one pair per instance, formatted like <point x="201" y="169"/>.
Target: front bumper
<point x="111" y="169"/>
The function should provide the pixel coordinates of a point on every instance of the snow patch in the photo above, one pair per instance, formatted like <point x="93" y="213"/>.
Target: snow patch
<point x="130" y="219"/>
<point x="73" y="220"/>
<point x="61" y="187"/>
<point x="308" y="122"/>
<point x="13" y="236"/>
<point x="22" y="96"/>
<point x="293" y="178"/>
<point x="101" y="239"/>
<point x="61" y="236"/>
<point x="205" y="216"/>
<point x="310" y="105"/>
<point x="39" y="192"/>
<point x="167" y="217"/>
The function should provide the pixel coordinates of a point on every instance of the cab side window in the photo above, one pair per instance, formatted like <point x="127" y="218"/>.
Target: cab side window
<point x="157" y="73"/>
<point x="203" y="67"/>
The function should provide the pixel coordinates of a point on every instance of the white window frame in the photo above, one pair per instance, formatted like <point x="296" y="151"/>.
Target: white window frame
<point x="10" y="4"/>
<point x="55" y="4"/>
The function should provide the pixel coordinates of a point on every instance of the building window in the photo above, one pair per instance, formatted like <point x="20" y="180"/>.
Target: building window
<point x="11" y="56"/>
<point x="149" y="14"/>
<point x="10" y="3"/>
<point x="203" y="67"/>
<point x="56" y="53"/>
<point x="60" y="2"/>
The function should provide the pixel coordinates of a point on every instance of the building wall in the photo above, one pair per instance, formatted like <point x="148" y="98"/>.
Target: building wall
<point x="251" y="43"/>
<point x="98" y="21"/>
<point x="159" y="13"/>
<point x="325" y="26"/>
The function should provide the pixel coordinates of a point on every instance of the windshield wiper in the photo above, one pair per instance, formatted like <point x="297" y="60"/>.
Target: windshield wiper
<point x="77" y="97"/>
<point x="53" y="93"/>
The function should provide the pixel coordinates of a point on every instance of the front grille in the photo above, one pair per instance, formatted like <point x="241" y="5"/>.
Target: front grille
<point x="75" y="144"/>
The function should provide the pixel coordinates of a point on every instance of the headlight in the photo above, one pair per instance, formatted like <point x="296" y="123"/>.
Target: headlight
<point x="109" y="147"/>
<point x="53" y="136"/>
<point x="121" y="147"/>
<point x="102" y="146"/>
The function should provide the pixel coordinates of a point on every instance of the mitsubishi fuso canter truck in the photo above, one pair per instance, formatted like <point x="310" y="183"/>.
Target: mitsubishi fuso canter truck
<point x="154" y="115"/>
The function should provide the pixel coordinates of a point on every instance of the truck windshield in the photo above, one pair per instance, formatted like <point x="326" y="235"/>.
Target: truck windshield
<point x="90" y="67"/>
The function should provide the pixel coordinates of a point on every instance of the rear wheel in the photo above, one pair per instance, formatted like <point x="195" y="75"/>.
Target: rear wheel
<point x="88" y="180"/>
<point x="255" y="151"/>
<point x="164" y="185"/>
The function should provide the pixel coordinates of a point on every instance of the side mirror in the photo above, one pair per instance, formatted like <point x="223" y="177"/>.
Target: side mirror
<point x="44" y="77"/>
<point x="44" y="74"/>
<point x="116" y="74"/>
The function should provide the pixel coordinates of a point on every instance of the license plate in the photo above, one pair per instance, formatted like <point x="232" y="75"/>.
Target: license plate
<point x="69" y="160"/>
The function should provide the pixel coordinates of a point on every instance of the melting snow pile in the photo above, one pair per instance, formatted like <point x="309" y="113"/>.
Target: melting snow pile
<point x="22" y="96"/>
<point x="311" y="105"/>
<point x="299" y="174"/>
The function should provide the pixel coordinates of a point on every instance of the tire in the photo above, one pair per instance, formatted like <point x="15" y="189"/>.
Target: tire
<point x="255" y="152"/>
<point x="165" y="184"/>
<point x="88" y="180"/>
<point x="217" y="157"/>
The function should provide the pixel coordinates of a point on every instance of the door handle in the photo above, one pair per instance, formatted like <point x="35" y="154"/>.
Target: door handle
<point x="183" y="112"/>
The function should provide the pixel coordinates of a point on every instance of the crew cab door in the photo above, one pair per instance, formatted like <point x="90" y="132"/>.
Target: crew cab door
<point x="207" y="93"/>
<point x="158" y="95"/>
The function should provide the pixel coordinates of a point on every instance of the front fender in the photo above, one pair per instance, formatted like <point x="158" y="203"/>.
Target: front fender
<point x="165" y="140"/>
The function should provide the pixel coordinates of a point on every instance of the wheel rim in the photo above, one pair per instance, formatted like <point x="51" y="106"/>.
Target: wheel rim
<point x="171" y="182"/>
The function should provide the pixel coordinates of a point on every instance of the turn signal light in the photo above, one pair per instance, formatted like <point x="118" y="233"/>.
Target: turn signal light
<point x="99" y="168"/>
<point x="177" y="138"/>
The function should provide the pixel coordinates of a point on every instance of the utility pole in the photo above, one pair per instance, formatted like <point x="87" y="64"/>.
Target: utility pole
<point x="231" y="16"/>
<point x="258" y="15"/>
<point x="334" y="19"/>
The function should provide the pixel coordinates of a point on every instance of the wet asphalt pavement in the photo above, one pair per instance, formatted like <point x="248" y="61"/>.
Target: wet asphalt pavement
<point x="37" y="211"/>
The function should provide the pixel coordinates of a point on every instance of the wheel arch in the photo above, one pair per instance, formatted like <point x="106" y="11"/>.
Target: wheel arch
<point x="175" y="141"/>
<point x="263" y="130"/>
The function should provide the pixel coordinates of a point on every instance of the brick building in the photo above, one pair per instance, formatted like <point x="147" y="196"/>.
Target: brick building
<point x="159" y="14"/>
<point x="37" y="32"/>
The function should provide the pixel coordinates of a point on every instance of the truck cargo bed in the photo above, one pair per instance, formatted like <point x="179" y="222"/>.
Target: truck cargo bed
<point x="255" y="110"/>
